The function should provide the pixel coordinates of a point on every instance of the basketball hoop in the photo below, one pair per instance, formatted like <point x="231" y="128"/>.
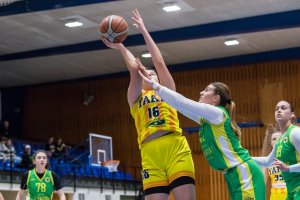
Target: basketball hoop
<point x="112" y="165"/>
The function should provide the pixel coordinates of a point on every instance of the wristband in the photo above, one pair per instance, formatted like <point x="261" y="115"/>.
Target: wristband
<point x="155" y="85"/>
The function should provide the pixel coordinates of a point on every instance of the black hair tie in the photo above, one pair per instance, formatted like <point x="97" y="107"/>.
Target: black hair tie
<point x="228" y="101"/>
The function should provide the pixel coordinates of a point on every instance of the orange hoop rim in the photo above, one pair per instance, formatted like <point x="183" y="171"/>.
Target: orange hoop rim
<point x="108" y="162"/>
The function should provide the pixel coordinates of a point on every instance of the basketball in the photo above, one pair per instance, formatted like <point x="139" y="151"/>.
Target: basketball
<point x="114" y="28"/>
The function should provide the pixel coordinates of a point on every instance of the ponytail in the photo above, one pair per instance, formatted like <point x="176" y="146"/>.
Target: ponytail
<point x="231" y="108"/>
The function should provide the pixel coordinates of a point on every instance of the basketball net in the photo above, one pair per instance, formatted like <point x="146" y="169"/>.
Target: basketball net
<point x="112" y="165"/>
<point x="7" y="2"/>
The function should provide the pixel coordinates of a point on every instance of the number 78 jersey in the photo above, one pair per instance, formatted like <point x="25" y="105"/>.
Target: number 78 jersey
<point x="40" y="188"/>
<point x="152" y="114"/>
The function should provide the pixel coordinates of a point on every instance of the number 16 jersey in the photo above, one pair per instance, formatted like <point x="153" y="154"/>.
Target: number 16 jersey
<point x="152" y="114"/>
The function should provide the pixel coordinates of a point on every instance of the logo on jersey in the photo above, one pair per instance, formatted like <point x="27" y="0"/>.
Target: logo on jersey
<point x="285" y="139"/>
<point x="145" y="174"/>
<point x="47" y="179"/>
<point x="156" y="123"/>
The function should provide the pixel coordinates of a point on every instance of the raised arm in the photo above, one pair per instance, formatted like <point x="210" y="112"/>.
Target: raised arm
<point x="163" y="73"/>
<point x="135" y="85"/>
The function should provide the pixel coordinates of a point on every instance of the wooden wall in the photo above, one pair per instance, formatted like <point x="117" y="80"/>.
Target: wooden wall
<point x="57" y="110"/>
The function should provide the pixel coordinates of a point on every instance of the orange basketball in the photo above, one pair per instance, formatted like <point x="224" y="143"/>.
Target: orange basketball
<point x="114" y="28"/>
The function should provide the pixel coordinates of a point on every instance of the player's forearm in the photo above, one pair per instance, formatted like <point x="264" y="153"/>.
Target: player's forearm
<point x="263" y="161"/>
<point x="61" y="194"/>
<point x="153" y="49"/>
<point x="20" y="195"/>
<point x="190" y="108"/>
<point x="129" y="59"/>
<point x="294" y="168"/>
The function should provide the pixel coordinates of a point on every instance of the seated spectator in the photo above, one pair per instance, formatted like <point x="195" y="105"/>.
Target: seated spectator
<point x="5" y="131"/>
<point x="50" y="147"/>
<point x="3" y="149"/>
<point x="26" y="161"/>
<point x="11" y="154"/>
<point x="61" y="149"/>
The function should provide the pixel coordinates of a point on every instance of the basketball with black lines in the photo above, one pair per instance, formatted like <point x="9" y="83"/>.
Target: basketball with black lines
<point x="114" y="28"/>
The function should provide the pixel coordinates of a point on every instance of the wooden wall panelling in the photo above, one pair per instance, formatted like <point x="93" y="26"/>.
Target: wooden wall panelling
<point x="57" y="109"/>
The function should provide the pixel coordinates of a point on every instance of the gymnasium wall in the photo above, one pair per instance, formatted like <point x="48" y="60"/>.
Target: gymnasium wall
<point x="57" y="110"/>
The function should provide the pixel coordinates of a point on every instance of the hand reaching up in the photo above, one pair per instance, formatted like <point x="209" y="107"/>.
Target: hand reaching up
<point x="138" y="21"/>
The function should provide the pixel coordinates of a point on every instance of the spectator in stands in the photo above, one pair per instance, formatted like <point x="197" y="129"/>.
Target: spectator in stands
<point x="39" y="182"/>
<point x="50" y="147"/>
<point x="5" y="131"/>
<point x="61" y="149"/>
<point x="11" y="154"/>
<point x="26" y="161"/>
<point x="3" y="150"/>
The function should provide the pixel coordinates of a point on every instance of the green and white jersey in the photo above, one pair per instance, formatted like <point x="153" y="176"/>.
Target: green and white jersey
<point x="286" y="152"/>
<point x="220" y="145"/>
<point x="40" y="188"/>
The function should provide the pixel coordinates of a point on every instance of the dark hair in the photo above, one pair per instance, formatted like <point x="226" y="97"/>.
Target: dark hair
<point x="152" y="68"/>
<point x="225" y="101"/>
<point x="41" y="151"/>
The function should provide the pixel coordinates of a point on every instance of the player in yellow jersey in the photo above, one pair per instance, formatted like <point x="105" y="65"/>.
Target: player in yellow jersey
<point x="166" y="156"/>
<point x="278" y="186"/>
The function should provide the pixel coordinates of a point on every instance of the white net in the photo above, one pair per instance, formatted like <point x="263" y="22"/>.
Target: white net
<point x="7" y="2"/>
<point x="112" y="165"/>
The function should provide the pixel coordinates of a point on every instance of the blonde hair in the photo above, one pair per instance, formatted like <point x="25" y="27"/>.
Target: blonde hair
<point x="225" y="101"/>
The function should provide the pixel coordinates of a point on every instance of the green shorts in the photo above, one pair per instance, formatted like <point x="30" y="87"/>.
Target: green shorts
<point x="246" y="182"/>
<point x="293" y="194"/>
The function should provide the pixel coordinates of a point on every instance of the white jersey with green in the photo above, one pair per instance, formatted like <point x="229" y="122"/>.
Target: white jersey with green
<point x="220" y="145"/>
<point x="287" y="153"/>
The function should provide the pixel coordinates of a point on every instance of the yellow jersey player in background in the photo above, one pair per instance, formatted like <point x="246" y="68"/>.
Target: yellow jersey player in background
<point x="272" y="174"/>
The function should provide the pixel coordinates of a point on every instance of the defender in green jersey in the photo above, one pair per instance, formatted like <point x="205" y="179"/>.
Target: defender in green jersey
<point x="219" y="136"/>
<point x="39" y="182"/>
<point x="286" y="151"/>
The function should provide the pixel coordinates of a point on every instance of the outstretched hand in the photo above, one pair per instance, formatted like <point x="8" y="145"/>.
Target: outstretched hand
<point x="143" y="73"/>
<point x="138" y="21"/>
<point x="111" y="44"/>
<point x="282" y="166"/>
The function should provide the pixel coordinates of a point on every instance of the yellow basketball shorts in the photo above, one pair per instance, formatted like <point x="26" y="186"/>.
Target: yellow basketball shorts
<point x="167" y="163"/>
<point x="278" y="194"/>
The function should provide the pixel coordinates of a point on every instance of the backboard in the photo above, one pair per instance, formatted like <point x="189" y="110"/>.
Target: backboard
<point x="100" y="149"/>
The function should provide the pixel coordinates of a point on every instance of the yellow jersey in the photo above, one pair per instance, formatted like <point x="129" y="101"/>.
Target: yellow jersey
<point x="278" y="186"/>
<point x="152" y="114"/>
